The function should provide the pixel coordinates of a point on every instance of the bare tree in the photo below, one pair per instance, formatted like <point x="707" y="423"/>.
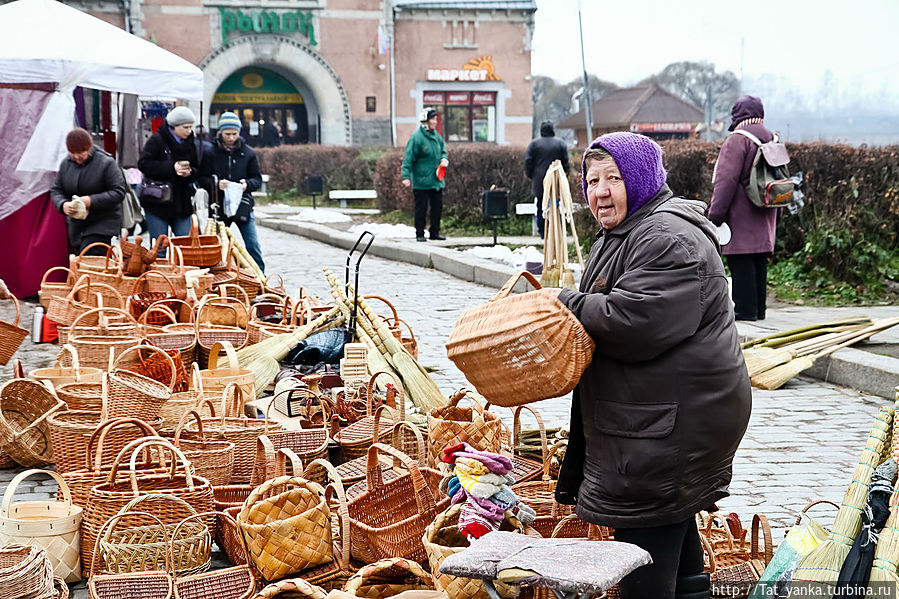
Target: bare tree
<point x="552" y="100"/>
<point x="699" y="83"/>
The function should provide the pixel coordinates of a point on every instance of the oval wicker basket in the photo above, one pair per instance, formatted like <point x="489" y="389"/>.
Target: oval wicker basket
<point x="198" y="250"/>
<point x="25" y="406"/>
<point x="11" y="335"/>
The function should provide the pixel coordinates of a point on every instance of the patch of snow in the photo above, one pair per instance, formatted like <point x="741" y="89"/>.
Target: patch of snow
<point x="320" y="216"/>
<point x="385" y="230"/>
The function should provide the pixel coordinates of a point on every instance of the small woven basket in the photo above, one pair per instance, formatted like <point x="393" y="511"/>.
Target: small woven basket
<point x="198" y="250"/>
<point x="133" y="395"/>
<point x="238" y="582"/>
<point x="51" y="289"/>
<point x="60" y="375"/>
<point x="11" y="335"/>
<point x="25" y="406"/>
<point x="25" y="571"/>
<point x="451" y="424"/>
<point x="388" y="577"/>
<point x="213" y="460"/>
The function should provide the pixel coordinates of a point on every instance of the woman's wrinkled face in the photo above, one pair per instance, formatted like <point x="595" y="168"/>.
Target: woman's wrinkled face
<point x="606" y="194"/>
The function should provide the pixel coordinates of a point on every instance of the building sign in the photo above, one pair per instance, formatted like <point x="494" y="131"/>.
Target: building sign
<point x="267" y="21"/>
<point x="663" y="127"/>
<point x="252" y="85"/>
<point x="477" y="69"/>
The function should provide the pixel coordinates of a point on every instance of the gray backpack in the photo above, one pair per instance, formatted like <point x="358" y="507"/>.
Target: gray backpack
<point x="770" y="185"/>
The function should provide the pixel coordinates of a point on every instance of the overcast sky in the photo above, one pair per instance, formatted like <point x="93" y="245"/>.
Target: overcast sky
<point x="627" y="40"/>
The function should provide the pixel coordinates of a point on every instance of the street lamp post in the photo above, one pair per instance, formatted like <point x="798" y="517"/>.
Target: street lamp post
<point x="588" y="111"/>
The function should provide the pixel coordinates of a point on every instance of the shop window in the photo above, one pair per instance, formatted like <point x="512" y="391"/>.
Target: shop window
<point x="464" y="116"/>
<point x="370" y="104"/>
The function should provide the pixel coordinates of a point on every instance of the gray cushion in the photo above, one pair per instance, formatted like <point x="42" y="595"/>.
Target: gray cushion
<point x="566" y="565"/>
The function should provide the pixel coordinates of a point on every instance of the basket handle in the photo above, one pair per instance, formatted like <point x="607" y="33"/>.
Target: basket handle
<point x="153" y="348"/>
<point x="194" y="231"/>
<point x="421" y="449"/>
<point x="424" y="499"/>
<point x="296" y="463"/>
<point x="408" y="328"/>
<point x="235" y="405"/>
<point x="343" y="516"/>
<point x="707" y="547"/>
<point x="69" y="277"/>
<point x="111" y="523"/>
<point x="510" y="284"/>
<point x="100" y="311"/>
<point x="68" y="347"/>
<point x="761" y="521"/>
<point x="83" y="282"/>
<point x="156" y="307"/>
<point x="810" y="506"/>
<point x="233" y="363"/>
<point x="280" y="286"/>
<point x="143" y="277"/>
<point x="132" y="474"/>
<point x="129" y="447"/>
<point x="18" y="371"/>
<point x="547" y="463"/>
<point x="223" y="294"/>
<point x="384" y="300"/>
<point x="355" y="582"/>
<point x="456" y="397"/>
<point x="113" y="292"/>
<point x="60" y="405"/>
<point x="213" y="516"/>
<point x="14" y="484"/>
<point x="83" y="252"/>
<point x="711" y="524"/>
<point x="264" y="490"/>
<point x="95" y="443"/>
<point x="18" y="310"/>
<point x="516" y="430"/>
<point x="183" y="421"/>
<point x="397" y="384"/>
<point x="197" y="380"/>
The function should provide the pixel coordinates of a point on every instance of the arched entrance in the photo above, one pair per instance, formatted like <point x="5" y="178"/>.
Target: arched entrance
<point x="324" y="98"/>
<point x="271" y="109"/>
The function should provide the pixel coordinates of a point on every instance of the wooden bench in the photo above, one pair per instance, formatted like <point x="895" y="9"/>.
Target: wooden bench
<point x="352" y="194"/>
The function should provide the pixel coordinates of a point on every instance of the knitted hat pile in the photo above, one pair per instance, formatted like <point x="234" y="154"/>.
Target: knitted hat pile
<point x="639" y="160"/>
<point x="229" y="120"/>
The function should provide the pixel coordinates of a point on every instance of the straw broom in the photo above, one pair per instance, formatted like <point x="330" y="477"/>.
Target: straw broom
<point x="762" y="358"/>
<point x="776" y="377"/>
<point x="774" y="337"/>
<point x="886" y="555"/>
<point x="823" y="564"/>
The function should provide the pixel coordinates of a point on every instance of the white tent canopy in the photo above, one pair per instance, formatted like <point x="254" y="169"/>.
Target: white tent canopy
<point x="47" y="41"/>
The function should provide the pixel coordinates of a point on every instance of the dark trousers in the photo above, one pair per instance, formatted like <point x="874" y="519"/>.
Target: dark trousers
<point x="86" y="240"/>
<point x="677" y="563"/>
<point x="749" y="273"/>
<point x="423" y="199"/>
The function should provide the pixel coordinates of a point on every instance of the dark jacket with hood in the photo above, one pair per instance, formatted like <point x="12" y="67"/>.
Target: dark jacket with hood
<point x="157" y="163"/>
<point x="235" y="163"/>
<point x="752" y="228"/>
<point x="658" y="414"/>
<point x="100" y="178"/>
<point x="540" y="154"/>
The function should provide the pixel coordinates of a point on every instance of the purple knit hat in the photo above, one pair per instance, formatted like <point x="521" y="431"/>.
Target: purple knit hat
<point x="639" y="159"/>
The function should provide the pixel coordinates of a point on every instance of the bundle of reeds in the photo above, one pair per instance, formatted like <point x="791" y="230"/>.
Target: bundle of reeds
<point x="777" y="376"/>
<point x="779" y="351"/>
<point x="805" y="332"/>
<point x="885" y="568"/>
<point x="823" y="564"/>
<point x="557" y="206"/>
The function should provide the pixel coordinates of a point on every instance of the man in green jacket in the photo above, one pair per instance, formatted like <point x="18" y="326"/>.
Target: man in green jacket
<point x="425" y="154"/>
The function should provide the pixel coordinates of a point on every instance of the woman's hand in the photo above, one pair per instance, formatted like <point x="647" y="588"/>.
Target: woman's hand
<point x="182" y="168"/>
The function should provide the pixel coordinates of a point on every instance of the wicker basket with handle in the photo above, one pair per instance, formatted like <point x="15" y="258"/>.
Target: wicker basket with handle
<point x="11" y="335"/>
<point x="388" y="577"/>
<point x="389" y="518"/>
<point x="198" y="250"/>
<point x="133" y="395"/>
<point x="451" y="424"/>
<point x="183" y="401"/>
<point x="25" y="571"/>
<point x="292" y="588"/>
<point x="51" y="289"/>
<point x="356" y="438"/>
<point x="126" y="546"/>
<point x="407" y="438"/>
<point x="520" y="349"/>
<point x="52" y="525"/>
<point x="25" y="406"/>
<point x="286" y="524"/>
<point x="60" y="375"/>
<point x="85" y="294"/>
<point x="139" y="301"/>
<point x="213" y="460"/>
<point x="154" y="318"/>
<point x="216" y="379"/>
<point x="94" y="347"/>
<point x="308" y="443"/>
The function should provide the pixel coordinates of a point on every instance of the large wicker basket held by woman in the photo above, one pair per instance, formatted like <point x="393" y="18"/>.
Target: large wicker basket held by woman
<point x="522" y="348"/>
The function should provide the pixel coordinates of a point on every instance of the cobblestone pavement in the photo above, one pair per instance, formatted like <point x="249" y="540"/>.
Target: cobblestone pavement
<point x="803" y="442"/>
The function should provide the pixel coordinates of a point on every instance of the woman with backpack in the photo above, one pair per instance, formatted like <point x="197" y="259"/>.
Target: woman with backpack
<point x="752" y="228"/>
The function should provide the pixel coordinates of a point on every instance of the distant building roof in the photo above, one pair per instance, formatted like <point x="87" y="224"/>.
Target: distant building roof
<point x="634" y="105"/>
<point x="530" y="5"/>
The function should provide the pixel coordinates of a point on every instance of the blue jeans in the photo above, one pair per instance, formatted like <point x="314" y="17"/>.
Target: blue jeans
<point x="158" y="226"/>
<point x="251" y="240"/>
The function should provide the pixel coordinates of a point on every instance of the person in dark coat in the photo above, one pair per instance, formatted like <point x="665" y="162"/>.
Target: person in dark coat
<point x="172" y="155"/>
<point x="91" y="175"/>
<point x="232" y="160"/>
<point x="659" y="412"/>
<point x="540" y="154"/>
<point x="752" y="228"/>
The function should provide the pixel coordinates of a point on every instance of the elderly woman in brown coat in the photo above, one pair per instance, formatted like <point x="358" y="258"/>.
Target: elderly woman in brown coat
<point x="752" y="228"/>
<point x="659" y="413"/>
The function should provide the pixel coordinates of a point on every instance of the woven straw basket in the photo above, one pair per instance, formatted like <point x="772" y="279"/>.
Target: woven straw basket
<point x="11" y="335"/>
<point x="25" y="571"/>
<point x="237" y="582"/>
<point x="51" y="525"/>
<point x="25" y="406"/>
<point x="388" y="577"/>
<point x="452" y="424"/>
<point x="520" y="349"/>
<point x="286" y="524"/>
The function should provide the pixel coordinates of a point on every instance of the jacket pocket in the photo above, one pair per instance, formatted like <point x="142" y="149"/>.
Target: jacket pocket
<point x="640" y="458"/>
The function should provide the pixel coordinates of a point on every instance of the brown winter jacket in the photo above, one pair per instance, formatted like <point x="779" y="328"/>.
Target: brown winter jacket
<point x="659" y="413"/>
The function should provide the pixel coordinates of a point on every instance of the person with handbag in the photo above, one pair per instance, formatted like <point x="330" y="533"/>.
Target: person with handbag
<point x="89" y="190"/>
<point x="232" y="161"/>
<point x="170" y="162"/>
<point x="659" y="412"/>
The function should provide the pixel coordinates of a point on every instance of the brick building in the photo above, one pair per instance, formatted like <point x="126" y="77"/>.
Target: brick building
<point x="350" y="71"/>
